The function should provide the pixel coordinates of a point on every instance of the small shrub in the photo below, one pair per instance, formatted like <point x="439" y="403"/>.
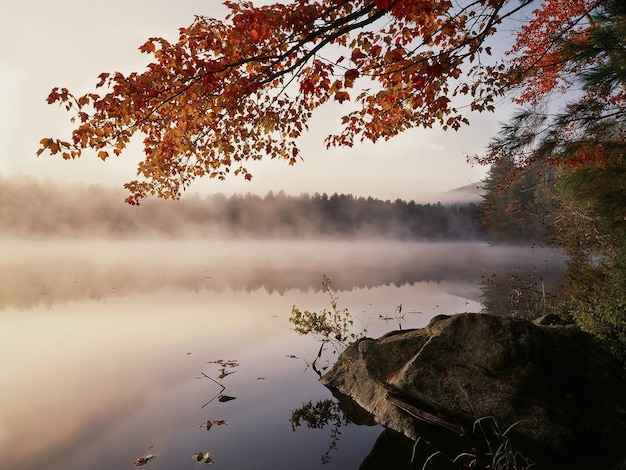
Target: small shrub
<point x="332" y="326"/>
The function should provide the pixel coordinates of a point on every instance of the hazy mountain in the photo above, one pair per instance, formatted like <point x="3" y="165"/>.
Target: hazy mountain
<point x="472" y="192"/>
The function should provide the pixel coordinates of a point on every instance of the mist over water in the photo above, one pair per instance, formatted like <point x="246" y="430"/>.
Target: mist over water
<point x="47" y="273"/>
<point x="109" y="316"/>
<point x="101" y="342"/>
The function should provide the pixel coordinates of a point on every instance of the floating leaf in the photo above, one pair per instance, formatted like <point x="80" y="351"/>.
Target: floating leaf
<point x="142" y="461"/>
<point x="220" y="422"/>
<point x="225" y="398"/>
<point x="224" y="374"/>
<point x="205" y="457"/>
<point x="225" y="362"/>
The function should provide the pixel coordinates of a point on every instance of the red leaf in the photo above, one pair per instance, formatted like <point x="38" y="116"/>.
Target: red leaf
<point x="383" y="4"/>
<point x="350" y="76"/>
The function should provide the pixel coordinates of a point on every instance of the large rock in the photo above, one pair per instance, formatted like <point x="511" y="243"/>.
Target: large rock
<point x="556" y="382"/>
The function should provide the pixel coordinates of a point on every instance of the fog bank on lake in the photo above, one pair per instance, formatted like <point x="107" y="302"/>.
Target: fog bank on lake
<point x="60" y="271"/>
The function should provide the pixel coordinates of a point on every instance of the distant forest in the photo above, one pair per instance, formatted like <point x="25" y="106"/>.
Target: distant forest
<point x="34" y="209"/>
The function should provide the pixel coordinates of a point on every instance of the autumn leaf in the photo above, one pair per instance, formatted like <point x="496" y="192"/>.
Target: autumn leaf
<point x="142" y="461"/>
<point x="103" y="77"/>
<point x="349" y="77"/>
<point x="342" y="96"/>
<point x="148" y="47"/>
<point x="383" y="4"/>
<point x="205" y="457"/>
<point x="208" y="425"/>
<point x="217" y="97"/>
<point x="357" y="54"/>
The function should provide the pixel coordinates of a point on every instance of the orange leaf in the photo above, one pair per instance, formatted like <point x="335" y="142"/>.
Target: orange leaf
<point x="148" y="47"/>
<point x="342" y="96"/>
<point x="357" y="54"/>
<point x="350" y="76"/>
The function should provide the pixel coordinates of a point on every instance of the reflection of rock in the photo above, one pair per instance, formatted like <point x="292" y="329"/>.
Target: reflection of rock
<point x="392" y="450"/>
<point x="556" y="381"/>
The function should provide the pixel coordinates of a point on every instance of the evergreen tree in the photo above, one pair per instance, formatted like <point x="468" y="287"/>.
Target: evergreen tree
<point x="518" y="203"/>
<point x="585" y="143"/>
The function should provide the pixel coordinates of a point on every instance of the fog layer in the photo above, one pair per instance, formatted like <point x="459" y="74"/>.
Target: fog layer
<point x="52" y="272"/>
<point x="44" y="210"/>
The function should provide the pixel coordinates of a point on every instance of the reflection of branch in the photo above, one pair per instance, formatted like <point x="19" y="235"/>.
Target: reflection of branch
<point x="217" y="394"/>
<point x="213" y="380"/>
<point x="318" y="416"/>
<point x="313" y="365"/>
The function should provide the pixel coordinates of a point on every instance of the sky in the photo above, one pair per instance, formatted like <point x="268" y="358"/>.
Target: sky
<point x="70" y="42"/>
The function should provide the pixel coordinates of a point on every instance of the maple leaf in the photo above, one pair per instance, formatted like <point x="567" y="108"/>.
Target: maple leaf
<point x="349" y="77"/>
<point x="342" y="96"/>
<point x="142" y="461"/>
<point x="218" y="96"/>
<point x="383" y="4"/>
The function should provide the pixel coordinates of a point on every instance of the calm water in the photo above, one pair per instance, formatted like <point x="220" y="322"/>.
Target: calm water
<point x="107" y="349"/>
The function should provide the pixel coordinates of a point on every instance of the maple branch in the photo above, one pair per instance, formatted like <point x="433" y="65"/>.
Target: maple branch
<point x="554" y="40"/>
<point x="325" y="39"/>
<point x="220" y="95"/>
<point x="276" y="59"/>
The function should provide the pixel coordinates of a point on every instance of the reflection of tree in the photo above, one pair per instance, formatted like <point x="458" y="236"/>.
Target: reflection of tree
<point x="98" y="271"/>
<point x="318" y="416"/>
<point x="524" y="293"/>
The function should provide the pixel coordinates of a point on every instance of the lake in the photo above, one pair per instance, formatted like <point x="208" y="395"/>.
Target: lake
<point x="115" y="350"/>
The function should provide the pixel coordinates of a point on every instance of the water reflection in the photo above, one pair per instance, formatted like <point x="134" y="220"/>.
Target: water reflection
<point x="320" y="415"/>
<point x="101" y="344"/>
<point x="47" y="273"/>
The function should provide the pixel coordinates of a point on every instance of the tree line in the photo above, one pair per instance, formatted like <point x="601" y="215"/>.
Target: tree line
<point x="45" y="210"/>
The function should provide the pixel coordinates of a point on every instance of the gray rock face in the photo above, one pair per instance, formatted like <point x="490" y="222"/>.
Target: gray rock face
<point x="557" y="382"/>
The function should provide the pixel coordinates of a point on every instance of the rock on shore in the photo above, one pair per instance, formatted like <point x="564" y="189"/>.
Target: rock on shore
<point x="558" y="383"/>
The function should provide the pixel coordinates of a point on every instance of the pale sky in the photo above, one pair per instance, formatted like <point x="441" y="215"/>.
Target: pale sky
<point x="70" y="42"/>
